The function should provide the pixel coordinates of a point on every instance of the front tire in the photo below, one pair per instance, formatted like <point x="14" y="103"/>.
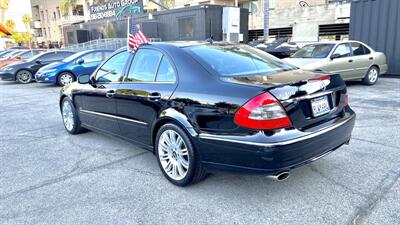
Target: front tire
<point x="372" y="76"/>
<point x="70" y="117"/>
<point x="65" y="78"/>
<point x="24" y="76"/>
<point x="177" y="157"/>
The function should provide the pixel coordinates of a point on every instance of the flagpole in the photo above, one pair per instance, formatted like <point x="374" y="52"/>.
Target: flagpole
<point x="127" y="35"/>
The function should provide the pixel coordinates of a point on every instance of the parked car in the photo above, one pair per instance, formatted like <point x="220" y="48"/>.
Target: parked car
<point x="353" y="60"/>
<point x="20" y="56"/>
<point x="23" y="72"/>
<point x="69" y="69"/>
<point x="200" y="107"/>
<point x="281" y="47"/>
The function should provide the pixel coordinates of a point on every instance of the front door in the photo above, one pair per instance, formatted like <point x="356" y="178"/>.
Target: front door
<point x="149" y="84"/>
<point x="98" y="108"/>
<point x="343" y="63"/>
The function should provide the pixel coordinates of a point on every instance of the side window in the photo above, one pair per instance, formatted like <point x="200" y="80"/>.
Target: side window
<point x="111" y="71"/>
<point x="366" y="50"/>
<point x="47" y="57"/>
<point x="358" y="49"/>
<point x="343" y="50"/>
<point x="144" y="66"/>
<point x="93" y="57"/>
<point x="165" y="72"/>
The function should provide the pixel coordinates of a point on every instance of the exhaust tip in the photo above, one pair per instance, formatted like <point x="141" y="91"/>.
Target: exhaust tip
<point x="283" y="176"/>
<point x="280" y="176"/>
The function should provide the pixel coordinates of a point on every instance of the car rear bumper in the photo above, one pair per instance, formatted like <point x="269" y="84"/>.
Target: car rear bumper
<point x="7" y="76"/>
<point x="274" y="153"/>
<point x="383" y="68"/>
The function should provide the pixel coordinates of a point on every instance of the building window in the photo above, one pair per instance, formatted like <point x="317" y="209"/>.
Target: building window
<point x="78" y="10"/>
<point x="58" y="12"/>
<point x="185" y="26"/>
<point x="272" y="4"/>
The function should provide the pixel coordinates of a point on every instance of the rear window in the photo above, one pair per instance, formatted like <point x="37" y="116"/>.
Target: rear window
<point x="238" y="60"/>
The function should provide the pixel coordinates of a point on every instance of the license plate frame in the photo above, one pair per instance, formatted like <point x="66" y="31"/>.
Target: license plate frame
<point x="320" y="106"/>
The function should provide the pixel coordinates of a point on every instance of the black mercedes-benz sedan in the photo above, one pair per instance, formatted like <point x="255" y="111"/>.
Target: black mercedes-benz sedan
<point x="201" y="107"/>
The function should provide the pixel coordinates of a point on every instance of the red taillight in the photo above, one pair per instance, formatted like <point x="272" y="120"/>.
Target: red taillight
<point x="346" y="100"/>
<point x="262" y="113"/>
<point x="327" y="77"/>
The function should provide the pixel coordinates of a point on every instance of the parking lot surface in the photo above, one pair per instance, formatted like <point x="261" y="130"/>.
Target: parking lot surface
<point x="50" y="177"/>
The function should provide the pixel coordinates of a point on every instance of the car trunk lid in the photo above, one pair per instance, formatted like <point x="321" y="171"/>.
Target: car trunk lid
<point x="304" y="95"/>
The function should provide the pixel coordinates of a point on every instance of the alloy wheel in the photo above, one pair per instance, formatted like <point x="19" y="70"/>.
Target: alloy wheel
<point x="68" y="116"/>
<point x="24" y="76"/>
<point x="66" y="78"/>
<point x="373" y="75"/>
<point x="173" y="155"/>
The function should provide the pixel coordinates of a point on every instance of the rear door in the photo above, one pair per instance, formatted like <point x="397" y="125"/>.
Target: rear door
<point x="98" y="107"/>
<point x="362" y="59"/>
<point x="150" y="82"/>
<point x="343" y="64"/>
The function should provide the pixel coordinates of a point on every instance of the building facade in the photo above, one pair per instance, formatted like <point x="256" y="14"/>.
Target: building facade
<point x="48" y="20"/>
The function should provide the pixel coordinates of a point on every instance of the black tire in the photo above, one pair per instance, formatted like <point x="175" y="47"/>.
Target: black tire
<point x="372" y="76"/>
<point x="64" y="77"/>
<point x="76" y="123"/>
<point x="24" y="76"/>
<point x="195" y="171"/>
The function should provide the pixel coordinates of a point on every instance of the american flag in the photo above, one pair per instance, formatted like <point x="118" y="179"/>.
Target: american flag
<point x="135" y="36"/>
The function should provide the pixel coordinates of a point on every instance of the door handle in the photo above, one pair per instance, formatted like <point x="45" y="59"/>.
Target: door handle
<point x="110" y="93"/>
<point x="371" y="58"/>
<point x="350" y="60"/>
<point x="154" y="96"/>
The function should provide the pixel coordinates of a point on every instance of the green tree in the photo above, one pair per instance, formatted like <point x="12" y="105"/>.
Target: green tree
<point x="4" y="5"/>
<point x="110" y="31"/>
<point x="66" y="5"/>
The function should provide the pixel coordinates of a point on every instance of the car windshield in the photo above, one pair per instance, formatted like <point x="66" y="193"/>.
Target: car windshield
<point x="28" y="54"/>
<point x="238" y="60"/>
<point x="10" y="54"/>
<point x="318" y="51"/>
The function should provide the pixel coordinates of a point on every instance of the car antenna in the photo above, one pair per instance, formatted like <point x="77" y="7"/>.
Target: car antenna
<point x="210" y="39"/>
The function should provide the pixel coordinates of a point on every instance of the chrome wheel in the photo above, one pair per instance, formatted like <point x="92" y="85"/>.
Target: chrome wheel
<point x="173" y="155"/>
<point x="66" y="78"/>
<point x="68" y="116"/>
<point x="24" y="76"/>
<point x="373" y="75"/>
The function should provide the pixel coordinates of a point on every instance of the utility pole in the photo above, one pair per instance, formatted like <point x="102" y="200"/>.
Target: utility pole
<point x="266" y="20"/>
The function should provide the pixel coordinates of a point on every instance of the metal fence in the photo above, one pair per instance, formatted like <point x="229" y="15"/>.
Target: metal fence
<point x="110" y="44"/>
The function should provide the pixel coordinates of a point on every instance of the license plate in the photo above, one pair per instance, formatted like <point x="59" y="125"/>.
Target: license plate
<point x="320" y="106"/>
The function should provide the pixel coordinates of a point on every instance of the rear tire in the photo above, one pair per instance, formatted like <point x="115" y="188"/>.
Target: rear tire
<point x="24" y="76"/>
<point x="178" y="159"/>
<point x="70" y="117"/>
<point x="372" y="76"/>
<point x="65" y="78"/>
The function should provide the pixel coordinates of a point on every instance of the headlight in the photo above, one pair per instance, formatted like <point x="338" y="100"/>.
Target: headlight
<point x="7" y="68"/>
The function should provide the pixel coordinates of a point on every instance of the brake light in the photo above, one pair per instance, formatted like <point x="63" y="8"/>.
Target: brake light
<point x="346" y="100"/>
<point x="263" y="112"/>
<point x="327" y="77"/>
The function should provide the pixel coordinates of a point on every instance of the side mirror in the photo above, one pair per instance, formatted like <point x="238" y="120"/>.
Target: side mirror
<point x="84" y="79"/>
<point x="80" y="61"/>
<point x="335" y="56"/>
<point x="18" y="58"/>
<point x="38" y="61"/>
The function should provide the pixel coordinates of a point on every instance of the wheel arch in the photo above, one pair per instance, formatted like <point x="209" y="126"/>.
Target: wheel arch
<point x="171" y="115"/>
<point x="63" y="71"/>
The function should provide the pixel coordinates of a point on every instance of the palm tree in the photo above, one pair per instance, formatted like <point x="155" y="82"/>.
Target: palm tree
<point x="26" y="19"/>
<point x="10" y="24"/>
<point x="4" y="4"/>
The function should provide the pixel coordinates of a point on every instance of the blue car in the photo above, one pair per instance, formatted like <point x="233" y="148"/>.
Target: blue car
<point x="69" y="69"/>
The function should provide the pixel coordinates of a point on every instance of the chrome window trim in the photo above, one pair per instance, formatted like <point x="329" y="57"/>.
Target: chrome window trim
<point x="112" y="116"/>
<point x="317" y="133"/>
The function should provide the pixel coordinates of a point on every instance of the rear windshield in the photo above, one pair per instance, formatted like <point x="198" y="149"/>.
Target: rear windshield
<point x="314" y="51"/>
<point x="238" y="60"/>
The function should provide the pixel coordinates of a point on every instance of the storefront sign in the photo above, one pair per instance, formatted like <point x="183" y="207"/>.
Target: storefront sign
<point x="119" y="8"/>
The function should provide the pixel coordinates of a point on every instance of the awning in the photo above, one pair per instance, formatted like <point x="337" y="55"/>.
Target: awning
<point x="3" y="29"/>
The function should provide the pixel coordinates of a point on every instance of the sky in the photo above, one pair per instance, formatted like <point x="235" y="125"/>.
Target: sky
<point x="15" y="12"/>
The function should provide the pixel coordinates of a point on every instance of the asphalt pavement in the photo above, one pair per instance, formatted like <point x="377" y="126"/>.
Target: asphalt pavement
<point x="50" y="177"/>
